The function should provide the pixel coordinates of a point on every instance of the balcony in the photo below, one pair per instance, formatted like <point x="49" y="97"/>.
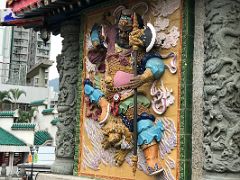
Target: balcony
<point x="20" y="51"/>
<point x="35" y="69"/>
<point x="19" y="44"/>
<point x="16" y="36"/>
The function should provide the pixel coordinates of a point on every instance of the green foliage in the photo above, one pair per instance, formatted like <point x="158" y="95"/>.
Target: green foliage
<point x="25" y="116"/>
<point x="3" y="98"/>
<point x="14" y="95"/>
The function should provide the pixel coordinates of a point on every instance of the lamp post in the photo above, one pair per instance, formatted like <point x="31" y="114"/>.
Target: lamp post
<point x="32" y="149"/>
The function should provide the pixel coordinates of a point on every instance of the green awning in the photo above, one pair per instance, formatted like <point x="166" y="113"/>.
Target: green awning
<point x="38" y="103"/>
<point x="48" y="111"/>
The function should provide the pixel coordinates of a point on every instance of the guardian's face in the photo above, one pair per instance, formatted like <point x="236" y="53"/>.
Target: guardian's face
<point x="123" y="34"/>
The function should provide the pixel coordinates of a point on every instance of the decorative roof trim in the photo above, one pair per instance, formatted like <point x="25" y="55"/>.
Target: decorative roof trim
<point x="54" y="11"/>
<point x="26" y="22"/>
<point x="23" y="126"/>
<point x="41" y="137"/>
<point x="19" y="5"/>
<point x="55" y="121"/>
<point x="49" y="111"/>
<point x="7" y="114"/>
<point x="38" y="102"/>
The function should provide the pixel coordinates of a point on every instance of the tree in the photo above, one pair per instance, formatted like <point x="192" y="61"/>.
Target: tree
<point x="14" y="95"/>
<point x="26" y="116"/>
<point x="3" y="98"/>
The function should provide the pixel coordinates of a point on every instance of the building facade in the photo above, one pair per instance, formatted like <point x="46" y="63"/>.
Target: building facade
<point x="16" y="138"/>
<point x="5" y="51"/>
<point x="27" y="53"/>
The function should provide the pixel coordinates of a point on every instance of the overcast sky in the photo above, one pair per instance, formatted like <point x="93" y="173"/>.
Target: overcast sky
<point x="2" y="4"/>
<point x="56" y="47"/>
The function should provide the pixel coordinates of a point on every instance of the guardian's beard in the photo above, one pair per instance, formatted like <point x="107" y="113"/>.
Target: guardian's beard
<point x="123" y="39"/>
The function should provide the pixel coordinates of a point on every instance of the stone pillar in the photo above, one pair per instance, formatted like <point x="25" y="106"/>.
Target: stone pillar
<point x="221" y="123"/>
<point x="197" y="109"/>
<point x="67" y="65"/>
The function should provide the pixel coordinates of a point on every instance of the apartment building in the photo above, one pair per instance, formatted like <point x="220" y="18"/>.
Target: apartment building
<point x="28" y="60"/>
<point x="5" y="49"/>
<point x="19" y="56"/>
<point x="38" y="61"/>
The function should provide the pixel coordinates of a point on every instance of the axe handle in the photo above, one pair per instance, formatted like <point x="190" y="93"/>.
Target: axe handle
<point x="135" y="105"/>
<point x="135" y="112"/>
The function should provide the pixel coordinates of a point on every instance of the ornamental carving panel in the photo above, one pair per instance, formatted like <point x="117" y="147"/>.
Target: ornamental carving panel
<point x="116" y="37"/>
<point x="222" y="86"/>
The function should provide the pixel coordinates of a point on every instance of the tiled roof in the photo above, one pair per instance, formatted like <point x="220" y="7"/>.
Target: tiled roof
<point x="38" y="103"/>
<point x="40" y="137"/>
<point x="7" y="114"/>
<point x="36" y="13"/>
<point x="23" y="126"/>
<point x="9" y="139"/>
<point x="55" y="121"/>
<point x="38" y="6"/>
<point x="47" y="111"/>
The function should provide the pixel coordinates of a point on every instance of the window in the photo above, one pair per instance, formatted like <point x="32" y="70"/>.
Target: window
<point x="4" y="158"/>
<point x="35" y="81"/>
<point x="46" y="75"/>
<point x="18" y="158"/>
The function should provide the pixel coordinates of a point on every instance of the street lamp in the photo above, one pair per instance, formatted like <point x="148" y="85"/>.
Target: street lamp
<point x="32" y="149"/>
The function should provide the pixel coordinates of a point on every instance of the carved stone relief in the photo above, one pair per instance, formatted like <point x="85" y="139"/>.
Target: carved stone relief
<point x="67" y="65"/>
<point x="222" y="86"/>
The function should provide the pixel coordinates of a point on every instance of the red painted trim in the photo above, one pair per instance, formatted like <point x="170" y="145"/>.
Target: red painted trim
<point x="25" y="22"/>
<point x="21" y="4"/>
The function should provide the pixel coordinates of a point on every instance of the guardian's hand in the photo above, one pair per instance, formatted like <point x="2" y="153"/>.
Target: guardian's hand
<point x="139" y="80"/>
<point x="134" y="38"/>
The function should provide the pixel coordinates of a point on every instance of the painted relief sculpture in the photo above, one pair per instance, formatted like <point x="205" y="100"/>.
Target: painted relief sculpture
<point x="109" y="92"/>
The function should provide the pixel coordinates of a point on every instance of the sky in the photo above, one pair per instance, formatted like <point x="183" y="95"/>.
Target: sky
<point x="2" y="4"/>
<point x="56" y="47"/>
